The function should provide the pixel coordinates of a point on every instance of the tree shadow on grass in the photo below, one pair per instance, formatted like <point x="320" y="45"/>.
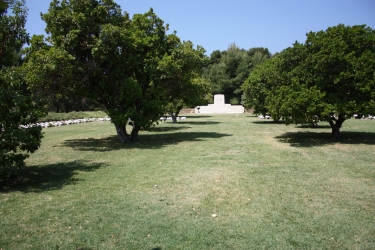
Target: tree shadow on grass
<point x="156" y="141"/>
<point x="198" y="123"/>
<point x="326" y="126"/>
<point x="146" y="141"/>
<point x="197" y="116"/>
<point x="269" y="122"/>
<point x="48" y="177"/>
<point x="311" y="139"/>
<point x="167" y="129"/>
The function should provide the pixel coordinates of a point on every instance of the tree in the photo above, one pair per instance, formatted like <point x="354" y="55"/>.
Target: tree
<point x="3" y="6"/>
<point x="180" y="72"/>
<point x="258" y="56"/>
<point x="262" y="81"/>
<point x="228" y="70"/>
<point x="328" y="78"/>
<point x="100" y="53"/>
<point x="88" y="42"/>
<point x="215" y="74"/>
<point x="193" y="94"/>
<point x="215" y="57"/>
<point x="52" y="75"/>
<point x="19" y="109"/>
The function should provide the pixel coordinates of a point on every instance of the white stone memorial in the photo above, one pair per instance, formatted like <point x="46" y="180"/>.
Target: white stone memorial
<point x="219" y="107"/>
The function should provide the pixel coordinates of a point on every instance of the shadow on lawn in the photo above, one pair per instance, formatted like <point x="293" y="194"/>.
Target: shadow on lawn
<point x="199" y="123"/>
<point x="269" y="122"/>
<point x="306" y="126"/>
<point x="167" y="129"/>
<point x="48" y="177"/>
<point x="197" y="116"/>
<point x="311" y="139"/>
<point x="146" y="141"/>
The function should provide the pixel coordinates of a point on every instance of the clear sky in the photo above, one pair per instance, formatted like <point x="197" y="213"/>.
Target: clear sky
<point x="215" y="24"/>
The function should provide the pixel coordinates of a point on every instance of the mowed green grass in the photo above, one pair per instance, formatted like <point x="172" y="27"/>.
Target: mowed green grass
<point x="271" y="186"/>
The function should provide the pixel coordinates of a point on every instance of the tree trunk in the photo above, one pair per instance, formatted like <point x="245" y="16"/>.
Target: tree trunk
<point x="175" y="115"/>
<point x="336" y="125"/>
<point x="275" y="118"/>
<point x="335" y="133"/>
<point x="122" y="134"/>
<point x="57" y="108"/>
<point x="134" y="133"/>
<point x="178" y="112"/>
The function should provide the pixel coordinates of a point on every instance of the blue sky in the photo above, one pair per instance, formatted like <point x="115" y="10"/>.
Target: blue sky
<point x="215" y="24"/>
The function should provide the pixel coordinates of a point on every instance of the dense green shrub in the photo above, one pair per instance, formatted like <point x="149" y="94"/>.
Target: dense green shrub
<point x="52" y="116"/>
<point x="18" y="106"/>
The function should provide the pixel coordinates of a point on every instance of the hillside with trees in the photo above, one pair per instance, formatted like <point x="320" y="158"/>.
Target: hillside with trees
<point x="227" y="70"/>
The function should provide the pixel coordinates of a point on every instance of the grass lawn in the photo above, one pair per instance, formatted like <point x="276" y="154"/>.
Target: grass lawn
<point x="271" y="186"/>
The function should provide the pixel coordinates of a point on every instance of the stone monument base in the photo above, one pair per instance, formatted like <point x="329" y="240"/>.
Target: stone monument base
<point x="219" y="107"/>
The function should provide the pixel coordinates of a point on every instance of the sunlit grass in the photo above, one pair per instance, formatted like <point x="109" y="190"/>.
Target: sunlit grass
<point x="272" y="187"/>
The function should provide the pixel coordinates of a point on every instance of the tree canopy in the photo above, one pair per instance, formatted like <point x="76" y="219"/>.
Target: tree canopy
<point x="99" y="52"/>
<point x="259" y="85"/>
<point x="329" y="78"/>
<point x="3" y="6"/>
<point x="180" y="72"/>
<point x="227" y="70"/>
<point x="19" y="109"/>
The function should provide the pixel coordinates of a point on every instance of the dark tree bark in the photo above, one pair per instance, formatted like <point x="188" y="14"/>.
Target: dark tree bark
<point x="336" y="124"/>
<point x="134" y="133"/>
<point x="122" y="134"/>
<point x="175" y="115"/>
<point x="275" y="118"/>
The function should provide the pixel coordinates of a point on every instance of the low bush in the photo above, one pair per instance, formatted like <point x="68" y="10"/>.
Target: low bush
<point x="52" y="116"/>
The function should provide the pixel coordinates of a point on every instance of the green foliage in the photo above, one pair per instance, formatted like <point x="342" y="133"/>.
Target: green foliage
<point x="259" y="85"/>
<point x="3" y="6"/>
<point x="53" y="116"/>
<point x="179" y="71"/>
<point x="294" y="98"/>
<point x="328" y="78"/>
<point x="228" y="70"/>
<point x="19" y="109"/>
<point x="12" y="32"/>
<point x="341" y="63"/>
<point x="215" y="73"/>
<point x="122" y="63"/>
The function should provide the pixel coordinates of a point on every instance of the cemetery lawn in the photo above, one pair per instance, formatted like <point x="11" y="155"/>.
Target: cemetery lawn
<point x="271" y="186"/>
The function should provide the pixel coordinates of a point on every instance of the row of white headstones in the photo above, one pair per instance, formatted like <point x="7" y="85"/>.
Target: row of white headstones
<point x="370" y="117"/>
<point x="84" y="120"/>
<point x="164" y="118"/>
<point x="66" y="122"/>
